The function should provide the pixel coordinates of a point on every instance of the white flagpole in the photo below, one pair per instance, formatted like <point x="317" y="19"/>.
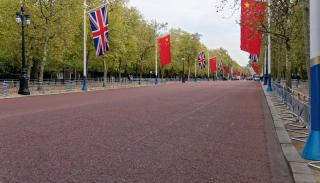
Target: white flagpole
<point x="269" y="89"/>
<point x="84" y="86"/>
<point x="156" y="60"/>
<point x="265" y="64"/>
<point x="208" y="65"/>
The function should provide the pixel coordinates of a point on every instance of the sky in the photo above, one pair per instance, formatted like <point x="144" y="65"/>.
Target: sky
<point x="218" y="29"/>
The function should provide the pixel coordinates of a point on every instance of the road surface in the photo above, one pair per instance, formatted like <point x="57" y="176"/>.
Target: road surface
<point x="194" y="132"/>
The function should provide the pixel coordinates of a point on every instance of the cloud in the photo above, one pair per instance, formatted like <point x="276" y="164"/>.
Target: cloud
<point x="197" y="16"/>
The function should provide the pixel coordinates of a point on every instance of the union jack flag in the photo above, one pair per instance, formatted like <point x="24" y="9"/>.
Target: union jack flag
<point x="202" y="60"/>
<point x="99" y="22"/>
<point x="254" y="57"/>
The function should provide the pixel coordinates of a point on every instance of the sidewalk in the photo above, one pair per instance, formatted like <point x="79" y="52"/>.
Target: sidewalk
<point x="301" y="172"/>
<point x="54" y="90"/>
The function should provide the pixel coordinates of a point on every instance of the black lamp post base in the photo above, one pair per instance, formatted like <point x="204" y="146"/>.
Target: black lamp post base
<point x="23" y="89"/>
<point x="24" y="92"/>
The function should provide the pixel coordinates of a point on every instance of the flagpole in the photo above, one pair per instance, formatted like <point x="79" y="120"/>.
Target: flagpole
<point x="208" y="65"/>
<point x="269" y="89"/>
<point x="84" y="86"/>
<point x="265" y="64"/>
<point x="156" y="60"/>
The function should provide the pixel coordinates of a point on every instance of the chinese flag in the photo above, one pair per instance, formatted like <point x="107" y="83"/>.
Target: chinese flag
<point x="165" y="52"/>
<point x="213" y="65"/>
<point x="252" y="16"/>
<point x="227" y="70"/>
<point x="256" y="68"/>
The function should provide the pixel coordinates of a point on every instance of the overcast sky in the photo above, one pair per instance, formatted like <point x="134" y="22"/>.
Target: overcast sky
<point x="198" y="16"/>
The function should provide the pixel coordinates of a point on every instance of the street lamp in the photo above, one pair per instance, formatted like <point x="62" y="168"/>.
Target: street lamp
<point x="24" y="19"/>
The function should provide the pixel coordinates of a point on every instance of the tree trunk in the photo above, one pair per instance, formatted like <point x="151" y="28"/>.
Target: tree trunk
<point x="30" y="61"/>
<point x="140" y="77"/>
<point x="44" y="59"/>
<point x="75" y="74"/>
<point x="125" y="69"/>
<point x="306" y="28"/>
<point x="162" y="71"/>
<point x="279" y="60"/>
<point x="189" y="70"/>
<point x="30" y="65"/>
<point x="137" y="70"/>
<point x="120" y="62"/>
<point x="288" y="66"/>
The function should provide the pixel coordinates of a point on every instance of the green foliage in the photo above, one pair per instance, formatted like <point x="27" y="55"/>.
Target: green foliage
<point x="54" y="40"/>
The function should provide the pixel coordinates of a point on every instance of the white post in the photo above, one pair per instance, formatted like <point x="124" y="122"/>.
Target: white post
<point x="84" y="87"/>
<point x="208" y="64"/>
<point x="269" y="48"/>
<point x="265" y="82"/>
<point x="265" y="59"/>
<point x="156" y="60"/>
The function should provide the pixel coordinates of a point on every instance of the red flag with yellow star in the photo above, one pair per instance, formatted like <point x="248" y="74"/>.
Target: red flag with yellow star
<point x="252" y="17"/>
<point x="213" y="65"/>
<point x="165" y="50"/>
<point x="256" y="68"/>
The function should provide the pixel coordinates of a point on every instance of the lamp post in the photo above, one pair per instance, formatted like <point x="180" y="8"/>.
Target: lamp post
<point x="24" y="19"/>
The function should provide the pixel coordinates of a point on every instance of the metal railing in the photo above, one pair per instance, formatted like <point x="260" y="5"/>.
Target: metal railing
<point x="4" y="89"/>
<point x="297" y="103"/>
<point x="11" y="87"/>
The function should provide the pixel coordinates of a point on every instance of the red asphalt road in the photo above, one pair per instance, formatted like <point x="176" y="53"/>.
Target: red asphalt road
<point x="196" y="132"/>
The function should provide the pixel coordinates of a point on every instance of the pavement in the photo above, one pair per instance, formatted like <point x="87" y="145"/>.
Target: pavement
<point x="194" y="132"/>
<point x="299" y="167"/>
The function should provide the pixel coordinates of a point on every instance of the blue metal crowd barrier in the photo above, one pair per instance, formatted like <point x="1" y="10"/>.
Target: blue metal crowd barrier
<point x="296" y="102"/>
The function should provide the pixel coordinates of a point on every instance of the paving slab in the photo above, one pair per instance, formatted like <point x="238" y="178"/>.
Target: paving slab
<point x="303" y="178"/>
<point x="283" y="135"/>
<point x="300" y="168"/>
